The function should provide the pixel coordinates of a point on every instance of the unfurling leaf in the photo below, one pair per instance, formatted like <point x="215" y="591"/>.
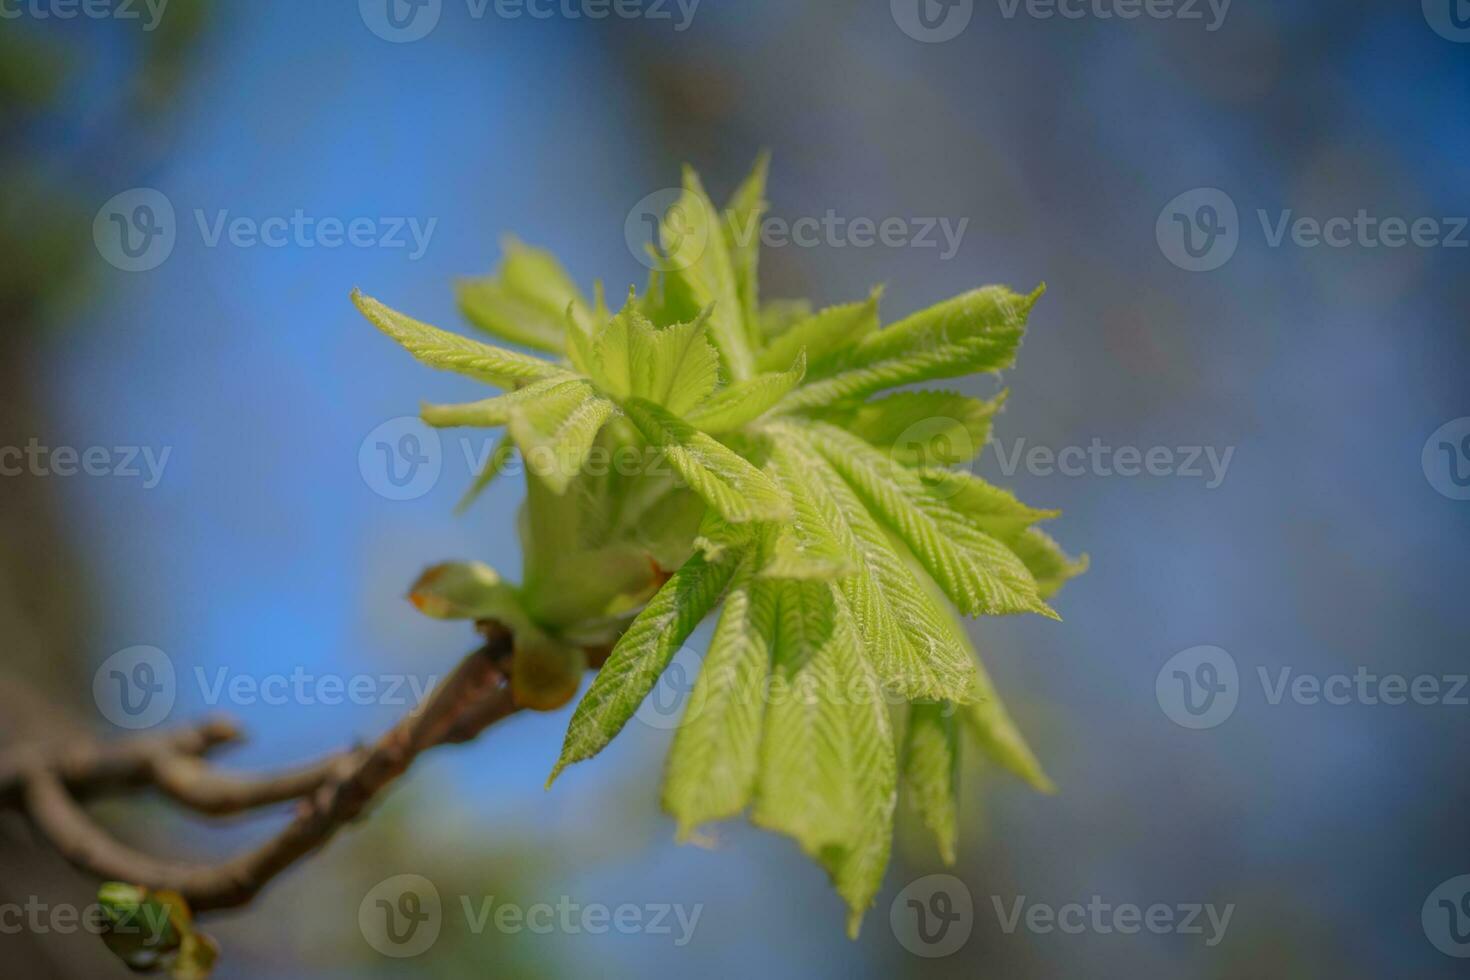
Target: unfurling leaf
<point x="525" y="301"/>
<point x="153" y="931"/>
<point x="467" y="590"/>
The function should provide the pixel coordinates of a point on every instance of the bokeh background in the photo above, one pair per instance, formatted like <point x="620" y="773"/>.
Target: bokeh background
<point x="265" y="549"/>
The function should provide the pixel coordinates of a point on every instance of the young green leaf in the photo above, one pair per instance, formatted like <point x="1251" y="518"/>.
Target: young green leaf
<point x="673" y="366"/>
<point x="978" y="331"/>
<point x="733" y="487"/>
<point x="744" y="401"/>
<point x="741" y="228"/>
<point x="993" y="510"/>
<point x="822" y="333"/>
<point x="491" y="412"/>
<point x="499" y="458"/>
<point x="698" y="258"/>
<point x="524" y="301"/>
<point x="451" y="352"/>
<point x="712" y="764"/>
<point x="920" y="428"/>
<point x="1046" y="561"/>
<point x="780" y="315"/>
<point x="931" y="761"/>
<point x="991" y="313"/>
<point x="642" y="654"/>
<point x="827" y="767"/>
<point x="555" y="432"/>
<point x="978" y="573"/>
<point x="902" y="627"/>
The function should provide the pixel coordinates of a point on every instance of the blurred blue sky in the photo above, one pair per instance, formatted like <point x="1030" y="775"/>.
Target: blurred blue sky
<point x="1325" y="548"/>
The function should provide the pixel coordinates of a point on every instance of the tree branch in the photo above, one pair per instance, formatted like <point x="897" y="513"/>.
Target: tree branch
<point x="47" y="782"/>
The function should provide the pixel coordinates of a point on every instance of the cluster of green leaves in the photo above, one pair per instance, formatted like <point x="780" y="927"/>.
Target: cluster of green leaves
<point x="826" y="528"/>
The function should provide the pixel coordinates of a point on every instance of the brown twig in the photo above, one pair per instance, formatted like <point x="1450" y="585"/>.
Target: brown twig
<point x="48" y="781"/>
